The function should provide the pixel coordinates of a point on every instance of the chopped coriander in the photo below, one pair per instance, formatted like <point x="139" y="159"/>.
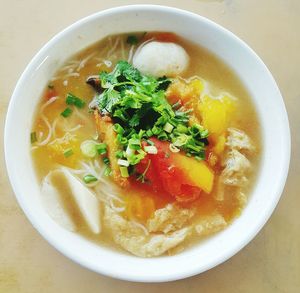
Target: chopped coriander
<point x="68" y="153"/>
<point x="73" y="100"/>
<point x="139" y="110"/>
<point x="132" y="40"/>
<point x="142" y="176"/>
<point x="89" y="178"/>
<point x="67" y="112"/>
<point x="33" y="137"/>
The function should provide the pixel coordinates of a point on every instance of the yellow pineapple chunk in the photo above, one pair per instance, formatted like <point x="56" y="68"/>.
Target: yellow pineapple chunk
<point x="197" y="172"/>
<point x="216" y="114"/>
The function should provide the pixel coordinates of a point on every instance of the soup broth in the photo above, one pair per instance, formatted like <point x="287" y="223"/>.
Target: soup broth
<point x="140" y="207"/>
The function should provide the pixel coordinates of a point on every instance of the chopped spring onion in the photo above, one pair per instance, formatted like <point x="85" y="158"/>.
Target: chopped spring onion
<point x="149" y="133"/>
<point x="173" y="148"/>
<point x="150" y="142"/>
<point x="119" y="154"/>
<point x="151" y="149"/>
<point x="181" y="140"/>
<point x="163" y="136"/>
<point x="129" y="151"/>
<point x="73" y="100"/>
<point x="107" y="171"/>
<point x="33" y="137"/>
<point x="132" y="40"/>
<point x="91" y="148"/>
<point x="168" y="127"/>
<point x="134" y="143"/>
<point x="156" y="130"/>
<point x="136" y="158"/>
<point x="101" y="148"/>
<point x="68" y="153"/>
<point x="67" y="112"/>
<point x="118" y="128"/>
<point x="89" y="178"/>
<point x="124" y="172"/>
<point x="88" y="148"/>
<point x="124" y="163"/>
<point x="121" y="139"/>
<point x="106" y="161"/>
<point x="181" y="128"/>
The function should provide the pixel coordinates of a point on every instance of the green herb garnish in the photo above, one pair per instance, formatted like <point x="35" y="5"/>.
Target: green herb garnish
<point x="67" y="112"/>
<point x="107" y="171"/>
<point x="124" y="171"/>
<point x="142" y="176"/>
<point x="101" y="148"/>
<point x="68" y="153"/>
<point x="106" y="161"/>
<point x="33" y="137"/>
<point x="139" y="109"/>
<point x="132" y="40"/>
<point x="73" y="100"/>
<point x="89" y="178"/>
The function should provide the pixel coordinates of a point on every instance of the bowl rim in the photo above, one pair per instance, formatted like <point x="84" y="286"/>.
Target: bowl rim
<point x="110" y="272"/>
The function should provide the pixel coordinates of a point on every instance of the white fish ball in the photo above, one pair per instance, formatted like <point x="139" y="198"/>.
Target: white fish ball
<point x="159" y="59"/>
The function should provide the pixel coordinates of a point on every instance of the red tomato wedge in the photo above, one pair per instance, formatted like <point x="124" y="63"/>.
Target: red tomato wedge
<point x="169" y="172"/>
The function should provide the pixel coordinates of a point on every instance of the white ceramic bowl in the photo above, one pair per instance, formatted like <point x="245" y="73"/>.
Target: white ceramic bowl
<point x="253" y="73"/>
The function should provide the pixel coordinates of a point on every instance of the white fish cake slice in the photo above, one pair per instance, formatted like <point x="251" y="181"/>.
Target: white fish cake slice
<point x="85" y="200"/>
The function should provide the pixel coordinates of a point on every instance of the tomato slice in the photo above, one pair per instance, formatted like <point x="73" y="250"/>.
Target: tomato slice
<point x="164" y="175"/>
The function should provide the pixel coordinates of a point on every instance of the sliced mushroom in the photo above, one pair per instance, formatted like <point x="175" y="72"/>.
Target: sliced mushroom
<point x="95" y="82"/>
